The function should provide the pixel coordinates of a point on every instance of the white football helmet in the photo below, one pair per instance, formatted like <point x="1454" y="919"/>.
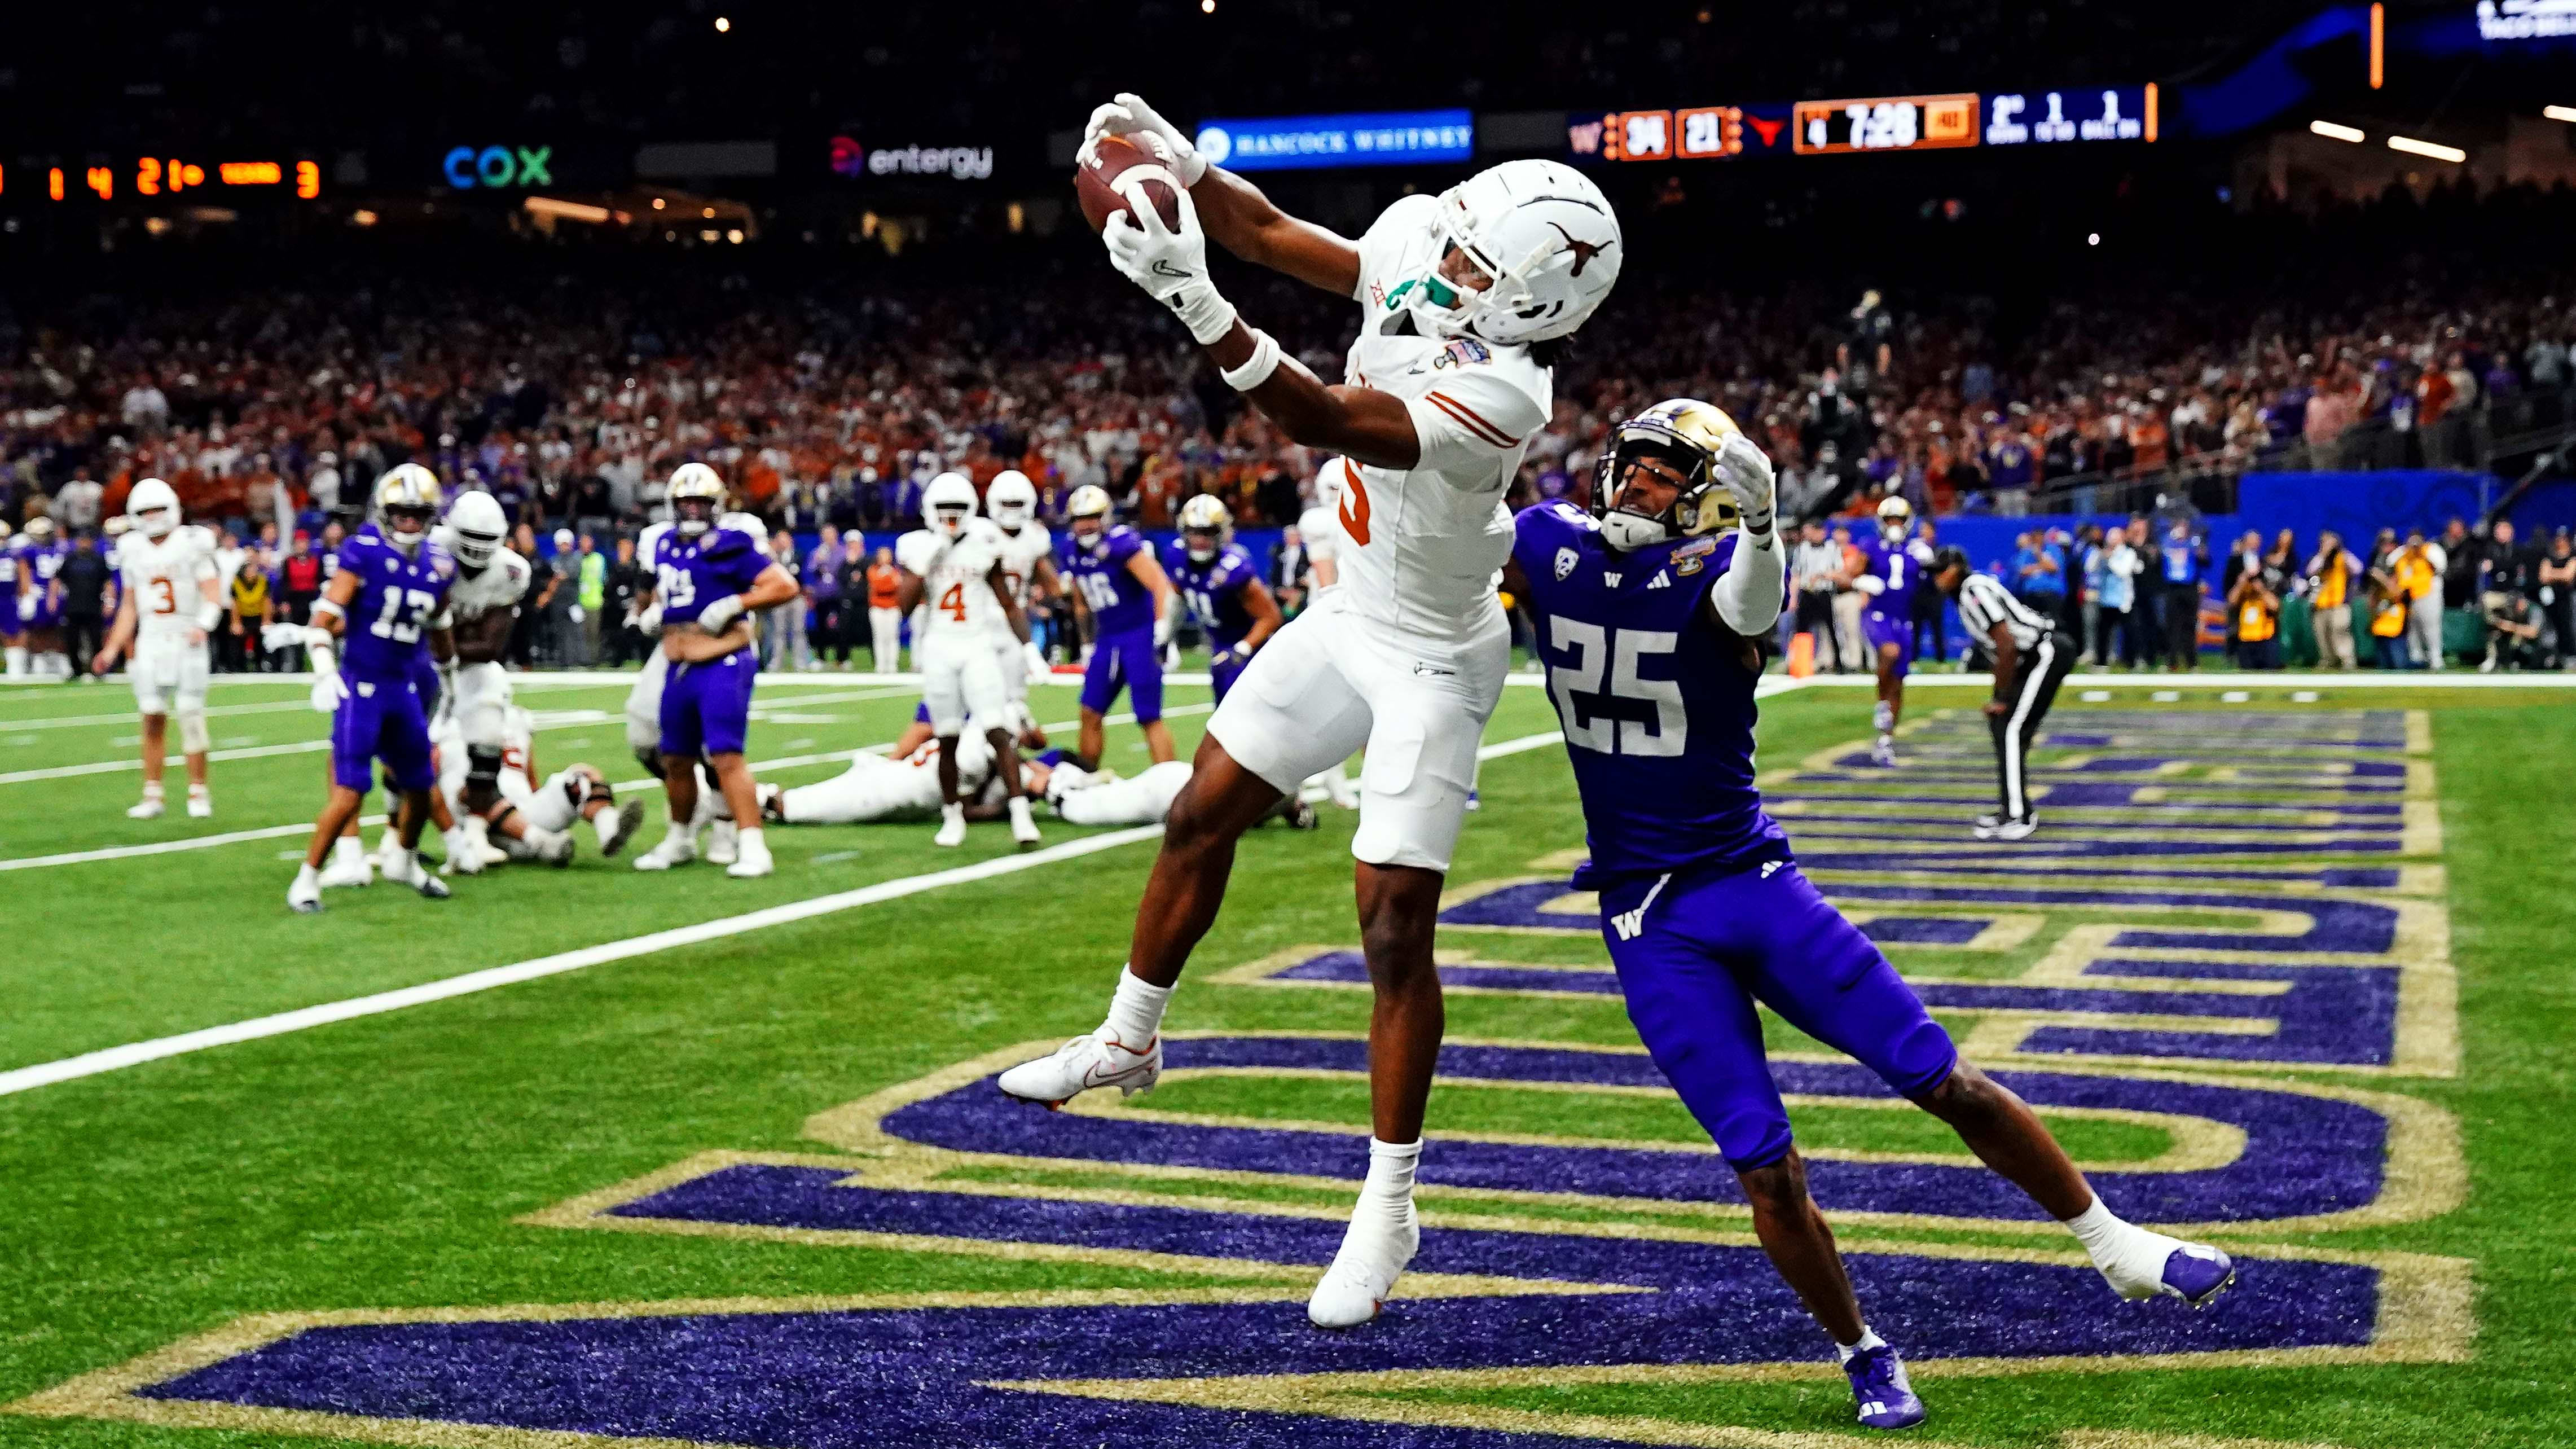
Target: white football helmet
<point x="1089" y="505"/>
<point x="1895" y="518"/>
<point x="4" y="530"/>
<point x="1206" y="527"/>
<point x="697" y="498"/>
<point x="947" y="503"/>
<point x="153" y="507"/>
<point x="40" y="530"/>
<point x="406" y="495"/>
<point x="1328" y="485"/>
<point x="476" y="526"/>
<point x="1546" y="240"/>
<point x="1011" y="500"/>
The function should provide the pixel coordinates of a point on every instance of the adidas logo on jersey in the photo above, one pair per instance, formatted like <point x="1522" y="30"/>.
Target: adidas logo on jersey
<point x="1769" y="866"/>
<point x="1661" y="580"/>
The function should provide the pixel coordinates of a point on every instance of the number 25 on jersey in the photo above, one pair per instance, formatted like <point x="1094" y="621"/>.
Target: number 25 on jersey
<point x="1583" y="704"/>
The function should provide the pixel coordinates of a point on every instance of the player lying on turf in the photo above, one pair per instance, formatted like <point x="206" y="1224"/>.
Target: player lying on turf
<point x="906" y="787"/>
<point x="1647" y="620"/>
<point x="1464" y="298"/>
<point x="527" y="821"/>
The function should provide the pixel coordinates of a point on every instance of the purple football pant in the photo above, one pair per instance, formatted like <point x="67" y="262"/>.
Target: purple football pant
<point x="1695" y="950"/>
<point x="1127" y="660"/>
<point x="706" y="708"/>
<point x="385" y="722"/>
<point x="1878" y="630"/>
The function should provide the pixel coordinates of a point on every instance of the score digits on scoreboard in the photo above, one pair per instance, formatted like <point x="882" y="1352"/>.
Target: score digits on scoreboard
<point x="2111" y="113"/>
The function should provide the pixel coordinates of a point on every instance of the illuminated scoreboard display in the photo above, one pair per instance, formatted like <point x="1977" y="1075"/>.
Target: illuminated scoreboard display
<point x="2109" y="113"/>
<point x="167" y="176"/>
<point x="1889" y="123"/>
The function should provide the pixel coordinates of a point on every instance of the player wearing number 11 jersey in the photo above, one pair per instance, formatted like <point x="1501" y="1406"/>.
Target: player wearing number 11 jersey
<point x="1647" y="612"/>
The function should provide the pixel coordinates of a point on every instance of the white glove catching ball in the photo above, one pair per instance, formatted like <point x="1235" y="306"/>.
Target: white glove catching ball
<point x="1130" y="117"/>
<point x="1169" y="263"/>
<point x="1747" y="475"/>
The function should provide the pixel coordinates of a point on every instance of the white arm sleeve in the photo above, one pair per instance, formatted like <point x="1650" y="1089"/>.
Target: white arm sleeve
<point x="1747" y="600"/>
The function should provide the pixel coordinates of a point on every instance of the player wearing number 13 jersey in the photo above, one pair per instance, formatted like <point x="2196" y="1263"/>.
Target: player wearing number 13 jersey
<point x="1647" y="613"/>
<point x="379" y="620"/>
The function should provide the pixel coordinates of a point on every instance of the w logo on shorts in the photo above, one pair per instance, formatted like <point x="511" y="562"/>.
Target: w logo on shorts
<point x="1629" y="923"/>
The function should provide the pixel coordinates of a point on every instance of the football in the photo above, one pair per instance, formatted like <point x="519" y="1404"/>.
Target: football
<point x="1096" y="179"/>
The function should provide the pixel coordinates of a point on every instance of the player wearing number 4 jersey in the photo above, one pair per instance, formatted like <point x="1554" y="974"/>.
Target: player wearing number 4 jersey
<point x="1464" y="298"/>
<point x="166" y="608"/>
<point x="386" y="603"/>
<point x="1647" y="613"/>
<point x="955" y="567"/>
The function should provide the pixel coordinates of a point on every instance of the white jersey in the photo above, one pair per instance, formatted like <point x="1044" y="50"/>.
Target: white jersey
<point x="1416" y="550"/>
<point x="875" y="788"/>
<point x="1019" y="554"/>
<point x="1321" y="533"/>
<point x="162" y="576"/>
<point x="956" y="594"/>
<point x="502" y="583"/>
<point x="518" y="745"/>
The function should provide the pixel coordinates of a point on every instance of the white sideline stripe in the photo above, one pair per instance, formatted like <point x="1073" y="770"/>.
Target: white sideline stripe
<point x="117" y="1058"/>
<point x="273" y="832"/>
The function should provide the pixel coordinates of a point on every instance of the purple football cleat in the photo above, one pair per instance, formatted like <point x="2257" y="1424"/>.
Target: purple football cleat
<point x="2196" y="1273"/>
<point x="1878" y="1382"/>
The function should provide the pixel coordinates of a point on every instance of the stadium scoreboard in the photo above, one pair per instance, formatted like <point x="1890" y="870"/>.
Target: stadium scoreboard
<point x="1874" y="124"/>
<point x="1889" y="123"/>
<point x="158" y="177"/>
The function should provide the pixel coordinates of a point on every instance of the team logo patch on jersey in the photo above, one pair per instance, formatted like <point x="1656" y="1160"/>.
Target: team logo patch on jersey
<point x="1610" y="580"/>
<point x="1689" y="566"/>
<point x="1461" y="351"/>
<point x="1566" y="559"/>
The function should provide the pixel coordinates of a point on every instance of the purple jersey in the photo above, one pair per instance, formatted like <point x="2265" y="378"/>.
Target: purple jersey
<point x="1214" y="590"/>
<point x="398" y="594"/>
<point x="1656" y="702"/>
<point x="691" y="573"/>
<point x="1099" y="569"/>
<point x="38" y="566"/>
<point x="1896" y="566"/>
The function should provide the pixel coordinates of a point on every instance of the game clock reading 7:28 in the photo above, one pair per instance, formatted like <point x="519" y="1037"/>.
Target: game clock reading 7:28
<point x="1892" y="123"/>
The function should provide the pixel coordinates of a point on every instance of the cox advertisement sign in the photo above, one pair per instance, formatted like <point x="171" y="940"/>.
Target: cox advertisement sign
<point x="1371" y="138"/>
<point x="498" y="167"/>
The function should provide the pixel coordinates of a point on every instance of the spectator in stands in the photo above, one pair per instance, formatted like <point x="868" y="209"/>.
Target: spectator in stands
<point x="2388" y="610"/>
<point x="881" y="583"/>
<point x="2332" y="577"/>
<point x="2459" y="557"/>
<point x="2254" y="618"/>
<point x="2556" y="577"/>
<point x="2505" y="566"/>
<point x="322" y="484"/>
<point x="2518" y="635"/>
<point x="2117" y="602"/>
<point x="2185" y="563"/>
<point x="249" y="610"/>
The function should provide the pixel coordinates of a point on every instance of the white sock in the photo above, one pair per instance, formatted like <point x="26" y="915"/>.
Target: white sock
<point x="1389" y="1188"/>
<point x="1868" y="1339"/>
<point x="1884" y="717"/>
<point x="347" y="851"/>
<point x="750" y="838"/>
<point x="2132" y="1257"/>
<point x="17" y="657"/>
<point x="1136" y="1010"/>
<point x="307" y="878"/>
<point x="604" y="825"/>
<point x="406" y="860"/>
<point x="152" y="790"/>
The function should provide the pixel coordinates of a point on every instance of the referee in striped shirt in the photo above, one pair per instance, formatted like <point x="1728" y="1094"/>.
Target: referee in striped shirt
<point x="2030" y="663"/>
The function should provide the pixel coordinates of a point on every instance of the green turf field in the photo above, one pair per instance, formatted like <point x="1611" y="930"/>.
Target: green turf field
<point x="2299" y="967"/>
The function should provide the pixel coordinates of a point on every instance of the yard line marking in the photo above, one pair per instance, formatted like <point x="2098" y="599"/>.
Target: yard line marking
<point x="272" y="832"/>
<point x="117" y="1058"/>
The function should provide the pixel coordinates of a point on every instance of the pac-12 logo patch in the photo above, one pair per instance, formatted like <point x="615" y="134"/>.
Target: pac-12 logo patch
<point x="1566" y="559"/>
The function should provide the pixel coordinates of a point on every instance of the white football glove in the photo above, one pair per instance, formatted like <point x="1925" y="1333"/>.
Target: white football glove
<point x="648" y="621"/>
<point x="329" y="692"/>
<point x="1034" y="660"/>
<point x="1747" y="475"/>
<point x="446" y="709"/>
<point x="714" y="617"/>
<point x="1164" y="624"/>
<point x="1170" y="264"/>
<point x="1130" y="117"/>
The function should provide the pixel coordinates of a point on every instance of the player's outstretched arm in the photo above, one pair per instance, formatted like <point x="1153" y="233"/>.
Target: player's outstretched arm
<point x="1748" y="598"/>
<point x="1238" y="216"/>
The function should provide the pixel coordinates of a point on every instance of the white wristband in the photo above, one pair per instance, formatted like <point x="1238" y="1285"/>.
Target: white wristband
<point x="1256" y="370"/>
<point x="208" y="616"/>
<point x="1204" y="311"/>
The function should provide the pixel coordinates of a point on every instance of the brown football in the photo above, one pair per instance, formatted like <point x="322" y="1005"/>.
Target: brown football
<point x="1097" y="179"/>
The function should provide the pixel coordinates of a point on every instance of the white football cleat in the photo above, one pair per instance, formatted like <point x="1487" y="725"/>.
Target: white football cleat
<point x="405" y="868"/>
<point x="1375" y="1250"/>
<point x="952" y="827"/>
<point x="554" y="847"/>
<point x="355" y="870"/>
<point x="305" y="900"/>
<point x="2021" y="829"/>
<point x="201" y="805"/>
<point x="147" y="808"/>
<point x="464" y="852"/>
<point x="676" y="849"/>
<point x="752" y="860"/>
<point x="1097" y="1060"/>
<point x="723" y="842"/>
<point x="617" y="827"/>
<point x="1024" y="829"/>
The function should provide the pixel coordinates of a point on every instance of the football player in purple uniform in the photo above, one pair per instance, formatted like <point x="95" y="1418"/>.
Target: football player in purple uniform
<point x="1115" y="576"/>
<point x="42" y="553"/>
<point x="1223" y="588"/>
<point x="1891" y="570"/>
<point x="1648" y="612"/>
<point x="708" y="579"/>
<point x="385" y="605"/>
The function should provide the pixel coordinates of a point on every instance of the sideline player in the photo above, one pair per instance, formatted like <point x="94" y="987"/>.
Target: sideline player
<point x="1465" y="298"/>
<point x="534" y="822"/>
<point x="952" y="572"/>
<point x="1028" y="569"/>
<point x="1703" y="908"/>
<point x="482" y="608"/>
<point x="13" y="641"/>
<point x="708" y="579"/>
<point x="41" y="554"/>
<point x="1223" y="588"/>
<point x="1890" y="570"/>
<point x="1116" y="577"/>
<point x="166" y="608"/>
<point x="388" y="600"/>
<point x="2029" y="666"/>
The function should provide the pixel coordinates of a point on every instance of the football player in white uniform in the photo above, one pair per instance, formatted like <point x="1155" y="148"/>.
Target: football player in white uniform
<point x="953" y="572"/>
<point x="166" y="608"/>
<point x="1103" y="797"/>
<point x="1028" y="570"/>
<point x="882" y="787"/>
<point x="1465" y="298"/>
<point x="482" y="606"/>
<point x="532" y="821"/>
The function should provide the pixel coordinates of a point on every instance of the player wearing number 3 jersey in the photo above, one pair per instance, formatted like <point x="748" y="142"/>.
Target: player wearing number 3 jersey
<point x="1647" y="610"/>
<point x="1464" y="298"/>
